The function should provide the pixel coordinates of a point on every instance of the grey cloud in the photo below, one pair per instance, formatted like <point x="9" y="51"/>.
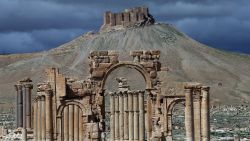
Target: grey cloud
<point x="32" y="25"/>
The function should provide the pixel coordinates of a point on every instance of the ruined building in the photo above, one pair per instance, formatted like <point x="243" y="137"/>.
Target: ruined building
<point x="66" y="109"/>
<point x="137" y="16"/>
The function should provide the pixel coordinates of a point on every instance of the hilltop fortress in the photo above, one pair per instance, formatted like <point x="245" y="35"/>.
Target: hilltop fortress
<point x="138" y="16"/>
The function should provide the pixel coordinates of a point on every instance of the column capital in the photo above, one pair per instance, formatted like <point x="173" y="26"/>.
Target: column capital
<point x="205" y="88"/>
<point x="28" y="85"/>
<point x="48" y="93"/>
<point x="18" y="87"/>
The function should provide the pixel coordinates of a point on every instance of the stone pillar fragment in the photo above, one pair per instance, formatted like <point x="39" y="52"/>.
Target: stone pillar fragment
<point x="112" y="117"/>
<point x="76" y="123"/>
<point x="19" y="100"/>
<point x="39" y="111"/>
<point x="197" y="114"/>
<point x="43" y="118"/>
<point x="189" y="125"/>
<point x="80" y="126"/>
<point x="149" y="116"/>
<point x="117" y="127"/>
<point x="28" y="88"/>
<point x="121" y="115"/>
<point x="24" y="107"/>
<point x="66" y="123"/>
<point x="141" y="116"/>
<point x="205" y="126"/>
<point x="48" y="116"/>
<point x="131" y="116"/>
<point x="71" y="122"/>
<point x="136" y="115"/>
<point x="126" y="112"/>
<point x="35" y="120"/>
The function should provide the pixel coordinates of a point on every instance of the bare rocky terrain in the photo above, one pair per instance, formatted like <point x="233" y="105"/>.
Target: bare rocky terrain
<point x="228" y="74"/>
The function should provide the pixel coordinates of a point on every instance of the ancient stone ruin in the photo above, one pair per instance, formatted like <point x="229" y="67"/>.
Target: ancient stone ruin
<point x="67" y="109"/>
<point x="138" y="16"/>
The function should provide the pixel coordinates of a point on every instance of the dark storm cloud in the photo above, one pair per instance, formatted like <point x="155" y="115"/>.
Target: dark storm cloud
<point x="34" y="25"/>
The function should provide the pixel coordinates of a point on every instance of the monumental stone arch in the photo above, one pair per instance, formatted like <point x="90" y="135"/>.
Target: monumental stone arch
<point x="69" y="109"/>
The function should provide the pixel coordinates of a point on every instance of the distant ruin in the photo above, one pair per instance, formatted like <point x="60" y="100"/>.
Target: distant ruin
<point x="137" y="16"/>
<point x="67" y="109"/>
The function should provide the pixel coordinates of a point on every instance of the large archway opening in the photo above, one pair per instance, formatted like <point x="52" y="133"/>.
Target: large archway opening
<point x="135" y="81"/>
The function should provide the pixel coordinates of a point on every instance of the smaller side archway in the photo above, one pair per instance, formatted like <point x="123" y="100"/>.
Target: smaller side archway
<point x="171" y="102"/>
<point x="71" y="120"/>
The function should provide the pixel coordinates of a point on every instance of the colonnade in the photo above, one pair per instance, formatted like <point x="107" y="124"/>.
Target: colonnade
<point x="23" y="105"/>
<point x="72" y="124"/>
<point x="127" y="116"/>
<point x="197" y="113"/>
<point x="43" y="120"/>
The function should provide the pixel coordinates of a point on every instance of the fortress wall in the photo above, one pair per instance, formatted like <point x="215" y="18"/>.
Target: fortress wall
<point x="127" y="18"/>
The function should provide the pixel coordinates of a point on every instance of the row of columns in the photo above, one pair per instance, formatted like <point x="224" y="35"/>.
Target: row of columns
<point x="72" y="124"/>
<point x="42" y="120"/>
<point x="197" y="113"/>
<point x="127" y="116"/>
<point x="23" y="105"/>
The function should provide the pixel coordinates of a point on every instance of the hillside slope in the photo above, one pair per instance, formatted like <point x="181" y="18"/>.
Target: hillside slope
<point x="228" y="74"/>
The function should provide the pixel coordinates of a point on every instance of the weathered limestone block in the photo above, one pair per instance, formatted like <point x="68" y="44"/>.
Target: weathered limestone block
<point x="148" y="64"/>
<point x="136" y="53"/>
<point x="103" y="66"/>
<point x="77" y="85"/>
<point x="103" y="59"/>
<point x="61" y="86"/>
<point x="97" y="74"/>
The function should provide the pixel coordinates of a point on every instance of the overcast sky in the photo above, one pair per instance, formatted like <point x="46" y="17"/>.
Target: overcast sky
<point x="37" y="25"/>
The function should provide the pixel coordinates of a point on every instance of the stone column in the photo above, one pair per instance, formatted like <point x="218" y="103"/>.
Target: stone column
<point x="19" y="110"/>
<point x="76" y="123"/>
<point x="136" y="115"/>
<point x="149" y="115"/>
<point x="205" y="120"/>
<point x="130" y="116"/>
<point x="117" y="127"/>
<point x="197" y="114"/>
<point x="121" y="115"/>
<point x="59" y="128"/>
<point x="71" y="122"/>
<point x="24" y="106"/>
<point x="189" y="125"/>
<point x="48" y="116"/>
<point x="39" y="126"/>
<point x="80" y="126"/>
<point x="126" y="112"/>
<point x="28" y="88"/>
<point x="141" y="116"/>
<point x="43" y="118"/>
<point x="66" y="123"/>
<point x="35" y="121"/>
<point x="112" y="118"/>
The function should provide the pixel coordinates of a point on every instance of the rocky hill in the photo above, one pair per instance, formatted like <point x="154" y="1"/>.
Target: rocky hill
<point x="228" y="74"/>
